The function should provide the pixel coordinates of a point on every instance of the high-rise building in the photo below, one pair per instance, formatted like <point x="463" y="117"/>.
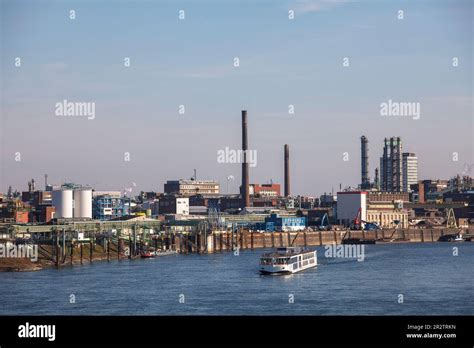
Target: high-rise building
<point x="410" y="170"/>
<point x="391" y="174"/>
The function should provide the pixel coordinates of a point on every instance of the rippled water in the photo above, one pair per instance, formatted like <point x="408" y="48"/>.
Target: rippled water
<point x="430" y="278"/>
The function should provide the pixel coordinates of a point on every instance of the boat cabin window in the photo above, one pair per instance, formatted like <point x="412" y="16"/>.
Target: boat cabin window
<point x="274" y="260"/>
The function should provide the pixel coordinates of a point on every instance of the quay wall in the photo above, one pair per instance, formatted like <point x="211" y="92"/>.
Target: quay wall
<point x="227" y="241"/>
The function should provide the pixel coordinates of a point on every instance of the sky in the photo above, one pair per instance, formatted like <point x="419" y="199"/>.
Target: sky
<point x="190" y="62"/>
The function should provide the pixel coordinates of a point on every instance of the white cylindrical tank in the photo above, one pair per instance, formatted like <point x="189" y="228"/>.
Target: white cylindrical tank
<point x="62" y="201"/>
<point x="83" y="203"/>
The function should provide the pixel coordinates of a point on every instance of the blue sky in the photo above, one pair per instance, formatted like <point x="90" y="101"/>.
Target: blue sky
<point x="190" y="62"/>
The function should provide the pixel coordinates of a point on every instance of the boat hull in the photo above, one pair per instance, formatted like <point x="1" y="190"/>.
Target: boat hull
<point x="283" y="272"/>
<point x="275" y="273"/>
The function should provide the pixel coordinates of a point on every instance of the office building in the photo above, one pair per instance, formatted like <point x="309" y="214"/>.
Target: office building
<point x="410" y="170"/>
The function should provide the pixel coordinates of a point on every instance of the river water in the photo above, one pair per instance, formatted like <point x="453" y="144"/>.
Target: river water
<point x="404" y="279"/>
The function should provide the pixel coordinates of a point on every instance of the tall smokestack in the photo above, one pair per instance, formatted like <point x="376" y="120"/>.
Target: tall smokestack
<point x="245" y="164"/>
<point x="377" y="180"/>
<point x="364" y="154"/>
<point x="287" y="169"/>
<point x="385" y="167"/>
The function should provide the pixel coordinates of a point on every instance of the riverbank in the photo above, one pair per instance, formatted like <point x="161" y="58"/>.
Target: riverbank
<point x="216" y="242"/>
<point x="47" y="258"/>
<point x="12" y="264"/>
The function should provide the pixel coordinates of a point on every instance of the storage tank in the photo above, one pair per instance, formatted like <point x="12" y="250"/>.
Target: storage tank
<point x="62" y="201"/>
<point x="83" y="203"/>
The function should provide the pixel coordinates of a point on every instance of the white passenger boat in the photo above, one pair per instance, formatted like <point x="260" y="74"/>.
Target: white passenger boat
<point x="288" y="260"/>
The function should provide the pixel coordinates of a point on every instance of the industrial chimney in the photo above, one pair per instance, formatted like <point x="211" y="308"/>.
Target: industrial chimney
<point x="245" y="164"/>
<point x="377" y="180"/>
<point x="364" y="153"/>
<point x="287" y="169"/>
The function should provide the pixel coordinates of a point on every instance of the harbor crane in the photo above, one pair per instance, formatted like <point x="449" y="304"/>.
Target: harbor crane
<point x="324" y="225"/>
<point x="451" y="219"/>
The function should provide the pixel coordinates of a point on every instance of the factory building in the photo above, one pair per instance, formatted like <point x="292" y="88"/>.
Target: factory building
<point x="41" y="213"/>
<point x="378" y="196"/>
<point x="388" y="218"/>
<point x="461" y="183"/>
<point x="36" y="197"/>
<point x="107" y="207"/>
<point x="384" y="208"/>
<point x="327" y="200"/>
<point x="265" y="190"/>
<point x="270" y="202"/>
<point x="46" y="213"/>
<point x="262" y="195"/>
<point x="152" y="208"/>
<point x="230" y="202"/>
<point x="114" y="194"/>
<point x="398" y="170"/>
<point x="21" y="217"/>
<point x="278" y="223"/>
<point x="210" y="201"/>
<point x="429" y="190"/>
<point x="174" y="205"/>
<point x="316" y="215"/>
<point x="192" y="187"/>
<point x="348" y="205"/>
<point x="410" y="170"/>
<point x="391" y="173"/>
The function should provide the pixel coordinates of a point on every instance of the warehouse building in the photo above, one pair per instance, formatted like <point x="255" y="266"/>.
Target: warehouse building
<point x="348" y="205"/>
<point x="278" y="223"/>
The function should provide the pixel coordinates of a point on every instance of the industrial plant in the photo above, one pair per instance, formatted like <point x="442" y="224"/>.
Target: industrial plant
<point x="180" y="170"/>
<point x="192" y="215"/>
